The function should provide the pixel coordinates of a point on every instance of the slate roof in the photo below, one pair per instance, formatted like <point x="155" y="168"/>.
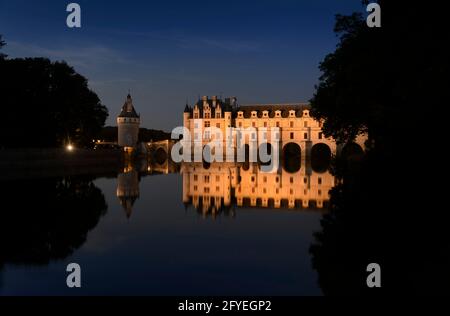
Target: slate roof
<point x="128" y="109"/>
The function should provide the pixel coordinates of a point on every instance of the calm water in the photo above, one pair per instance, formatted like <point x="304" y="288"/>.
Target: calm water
<point x="225" y="230"/>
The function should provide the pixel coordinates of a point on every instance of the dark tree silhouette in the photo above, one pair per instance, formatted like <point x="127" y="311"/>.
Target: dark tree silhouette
<point x="2" y="43"/>
<point x="51" y="222"/>
<point x="46" y="104"/>
<point x="384" y="79"/>
<point x="388" y="209"/>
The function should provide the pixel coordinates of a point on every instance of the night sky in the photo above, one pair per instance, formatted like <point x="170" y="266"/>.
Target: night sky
<point x="168" y="51"/>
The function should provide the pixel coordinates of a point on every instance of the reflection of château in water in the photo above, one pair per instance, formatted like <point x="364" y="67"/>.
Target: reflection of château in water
<point x="128" y="188"/>
<point x="220" y="186"/>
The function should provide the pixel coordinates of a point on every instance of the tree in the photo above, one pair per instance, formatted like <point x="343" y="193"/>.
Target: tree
<point x="392" y="82"/>
<point x="47" y="104"/>
<point x="2" y="43"/>
<point x="383" y="80"/>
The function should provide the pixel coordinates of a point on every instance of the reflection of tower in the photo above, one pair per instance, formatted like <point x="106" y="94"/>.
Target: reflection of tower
<point x="128" y="189"/>
<point x="128" y="125"/>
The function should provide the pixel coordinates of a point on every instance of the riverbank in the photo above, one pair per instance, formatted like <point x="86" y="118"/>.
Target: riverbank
<point x="55" y="162"/>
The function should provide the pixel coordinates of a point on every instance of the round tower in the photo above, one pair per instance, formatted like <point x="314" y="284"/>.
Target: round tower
<point x="128" y="123"/>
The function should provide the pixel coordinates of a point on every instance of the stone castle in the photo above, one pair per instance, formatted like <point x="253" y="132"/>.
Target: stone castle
<point x="296" y="127"/>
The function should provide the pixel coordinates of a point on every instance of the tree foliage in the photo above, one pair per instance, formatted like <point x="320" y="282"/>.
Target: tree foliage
<point x="47" y="104"/>
<point x="381" y="80"/>
<point x="2" y="43"/>
<point x="392" y="82"/>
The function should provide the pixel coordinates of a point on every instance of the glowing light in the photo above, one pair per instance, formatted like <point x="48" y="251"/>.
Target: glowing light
<point x="70" y="147"/>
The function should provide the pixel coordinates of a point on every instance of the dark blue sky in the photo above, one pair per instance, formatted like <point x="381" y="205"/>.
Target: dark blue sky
<point x="167" y="51"/>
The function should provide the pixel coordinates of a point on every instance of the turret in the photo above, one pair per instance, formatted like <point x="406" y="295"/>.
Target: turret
<point x="128" y="123"/>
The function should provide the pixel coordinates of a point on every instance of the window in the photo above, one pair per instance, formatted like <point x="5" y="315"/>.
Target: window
<point x="254" y="124"/>
<point x="319" y="180"/>
<point x="217" y="189"/>
<point x="291" y="179"/>
<point x="207" y="123"/>
<point x="208" y="115"/>
<point x="305" y="136"/>
<point x="291" y="191"/>
<point x="196" y="115"/>
<point x="265" y="179"/>
<point x="264" y="190"/>
<point x="195" y="188"/>
<point x="218" y="125"/>
<point x="278" y="124"/>
<point x="305" y="124"/>
<point x="265" y="124"/>
<point x="291" y="124"/>
<point x="195" y="177"/>
<point x="319" y="192"/>
<point x="217" y="178"/>
<point x="253" y="179"/>
<point x="305" y="180"/>
<point x="206" y="179"/>
<point x="292" y="135"/>
<point x="206" y="190"/>
<point x="320" y="135"/>
<point x="240" y="124"/>
<point x="218" y="115"/>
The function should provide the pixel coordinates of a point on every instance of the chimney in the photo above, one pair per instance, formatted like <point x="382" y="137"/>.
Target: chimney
<point x="205" y="100"/>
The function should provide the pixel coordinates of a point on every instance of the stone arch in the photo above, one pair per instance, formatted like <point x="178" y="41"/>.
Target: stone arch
<point x="292" y="153"/>
<point x="352" y="151"/>
<point x="160" y="156"/>
<point x="320" y="157"/>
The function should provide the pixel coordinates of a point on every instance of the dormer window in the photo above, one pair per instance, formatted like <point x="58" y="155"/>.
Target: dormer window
<point x="291" y="113"/>
<point x="306" y="113"/>
<point x="254" y="114"/>
<point x="265" y="113"/>
<point x="240" y="114"/>
<point x="277" y="113"/>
